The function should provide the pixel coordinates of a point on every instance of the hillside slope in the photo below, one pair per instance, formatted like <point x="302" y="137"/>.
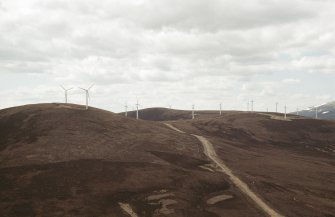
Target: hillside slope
<point x="290" y="163"/>
<point x="159" y="114"/>
<point x="165" y="114"/>
<point x="325" y="111"/>
<point x="63" y="160"/>
<point x="57" y="132"/>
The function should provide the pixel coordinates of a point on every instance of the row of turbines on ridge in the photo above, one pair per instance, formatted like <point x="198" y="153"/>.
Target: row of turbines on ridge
<point x="249" y="104"/>
<point x="87" y="93"/>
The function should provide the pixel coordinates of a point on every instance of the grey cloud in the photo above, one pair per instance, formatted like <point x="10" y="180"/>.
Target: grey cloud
<point x="191" y="14"/>
<point x="218" y="14"/>
<point x="169" y="43"/>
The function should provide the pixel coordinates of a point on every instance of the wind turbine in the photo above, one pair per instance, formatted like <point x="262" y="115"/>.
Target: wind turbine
<point x="193" y="111"/>
<point x="126" y="110"/>
<point x="285" y="111"/>
<point x="66" y="90"/>
<point x="297" y="110"/>
<point x="316" y="112"/>
<point x="220" y="109"/>
<point x="87" y="94"/>
<point x="137" y="105"/>
<point x="252" y="105"/>
<point x="248" y="106"/>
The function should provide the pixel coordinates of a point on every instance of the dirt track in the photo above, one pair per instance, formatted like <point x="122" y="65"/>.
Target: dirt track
<point x="127" y="208"/>
<point x="174" y="128"/>
<point x="210" y="153"/>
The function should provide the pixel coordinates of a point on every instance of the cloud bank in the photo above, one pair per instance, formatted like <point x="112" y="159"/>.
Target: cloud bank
<point x="168" y="52"/>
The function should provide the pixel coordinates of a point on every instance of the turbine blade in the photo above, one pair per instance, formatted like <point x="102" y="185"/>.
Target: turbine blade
<point x="62" y="87"/>
<point x="82" y="88"/>
<point x="70" y="88"/>
<point x="90" y="86"/>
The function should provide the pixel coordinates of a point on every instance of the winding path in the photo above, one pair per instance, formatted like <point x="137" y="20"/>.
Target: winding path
<point x="127" y="208"/>
<point x="211" y="154"/>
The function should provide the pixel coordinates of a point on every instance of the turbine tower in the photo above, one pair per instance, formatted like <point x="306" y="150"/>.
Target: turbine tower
<point x="220" y="109"/>
<point x="316" y="112"/>
<point x="248" y="106"/>
<point x="297" y="110"/>
<point x="193" y="111"/>
<point x="87" y="94"/>
<point x="285" y="111"/>
<point x="137" y="105"/>
<point x="126" y="110"/>
<point x="252" y="105"/>
<point x="66" y="90"/>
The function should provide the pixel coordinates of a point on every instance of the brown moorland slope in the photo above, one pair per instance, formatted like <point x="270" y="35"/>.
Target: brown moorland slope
<point x="165" y="114"/>
<point x="62" y="160"/>
<point x="160" y="114"/>
<point x="48" y="133"/>
<point x="290" y="163"/>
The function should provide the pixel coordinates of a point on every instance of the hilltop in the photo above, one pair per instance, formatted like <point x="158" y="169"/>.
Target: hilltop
<point x="46" y="133"/>
<point x="289" y="162"/>
<point x="165" y="114"/>
<point x="62" y="160"/>
<point x="160" y="114"/>
<point x="325" y="111"/>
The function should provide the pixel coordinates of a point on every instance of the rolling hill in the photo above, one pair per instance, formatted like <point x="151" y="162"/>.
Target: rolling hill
<point x="63" y="160"/>
<point x="288" y="162"/>
<point x="165" y="114"/>
<point x="160" y="114"/>
<point x="325" y="111"/>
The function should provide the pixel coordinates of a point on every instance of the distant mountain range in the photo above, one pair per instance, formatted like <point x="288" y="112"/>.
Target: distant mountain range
<point x="325" y="111"/>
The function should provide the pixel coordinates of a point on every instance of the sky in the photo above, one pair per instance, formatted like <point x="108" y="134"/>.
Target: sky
<point x="168" y="53"/>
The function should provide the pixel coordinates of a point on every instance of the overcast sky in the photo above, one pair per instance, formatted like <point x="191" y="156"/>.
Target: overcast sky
<point x="168" y="52"/>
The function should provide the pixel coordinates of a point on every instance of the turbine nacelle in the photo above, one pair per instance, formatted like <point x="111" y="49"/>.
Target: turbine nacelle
<point x="87" y="94"/>
<point x="66" y="90"/>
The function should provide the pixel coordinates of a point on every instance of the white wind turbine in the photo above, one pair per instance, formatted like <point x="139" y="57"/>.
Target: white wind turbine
<point x="137" y="105"/>
<point x="87" y="94"/>
<point x="126" y="110"/>
<point x="220" y="109"/>
<point x="252" y="105"/>
<point x="66" y="90"/>
<point x="193" y="111"/>
<point x="285" y="111"/>
<point x="316" y="112"/>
